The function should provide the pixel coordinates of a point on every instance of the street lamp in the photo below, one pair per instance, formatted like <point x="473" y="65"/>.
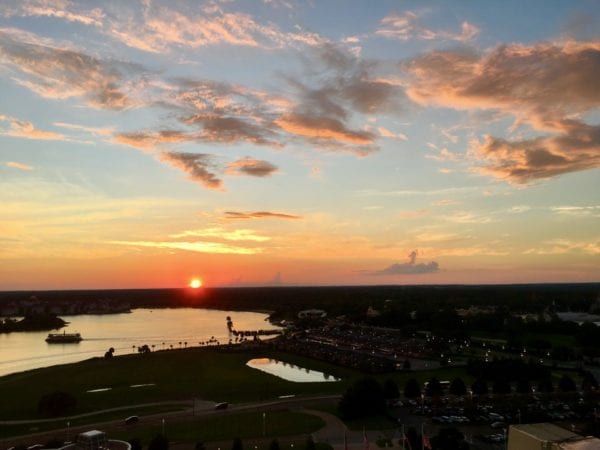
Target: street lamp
<point x="264" y="417"/>
<point x="163" y="427"/>
<point x="68" y="430"/>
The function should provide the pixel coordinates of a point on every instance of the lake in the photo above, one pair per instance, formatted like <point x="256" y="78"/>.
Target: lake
<point x="161" y="328"/>
<point x="288" y="371"/>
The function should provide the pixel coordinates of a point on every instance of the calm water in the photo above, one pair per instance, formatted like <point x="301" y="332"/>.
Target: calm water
<point x="288" y="371"/>
<point x="159" y="327"/>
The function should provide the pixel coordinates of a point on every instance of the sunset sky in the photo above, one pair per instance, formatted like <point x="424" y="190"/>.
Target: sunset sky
<point x="278" y="142"/>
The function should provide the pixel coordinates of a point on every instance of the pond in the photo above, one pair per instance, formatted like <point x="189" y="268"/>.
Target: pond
<point x="289" y="372"/>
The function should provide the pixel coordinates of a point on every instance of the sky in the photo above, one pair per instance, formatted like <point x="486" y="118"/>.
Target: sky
<point x="279" y="142"/>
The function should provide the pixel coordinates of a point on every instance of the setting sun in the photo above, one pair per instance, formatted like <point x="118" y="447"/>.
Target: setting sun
<point x="196" y="283"/>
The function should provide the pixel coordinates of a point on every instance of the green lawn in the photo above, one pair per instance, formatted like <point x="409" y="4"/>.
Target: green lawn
<point x="223" y="427"/>
<point x="205" y="373"/>
<point x="177" y="375"/>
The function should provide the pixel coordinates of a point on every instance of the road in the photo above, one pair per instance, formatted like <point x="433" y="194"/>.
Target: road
<point x="198" y="408"/>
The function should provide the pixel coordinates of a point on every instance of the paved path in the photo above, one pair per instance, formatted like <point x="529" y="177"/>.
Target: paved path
<point x="201" y="408"/>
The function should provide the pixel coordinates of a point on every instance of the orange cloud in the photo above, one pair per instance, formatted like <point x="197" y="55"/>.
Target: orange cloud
<point x="197" y="246"/>
<point x="251" y="167"/>
<point x="259" y="215"/>
<point x="18" y="165"/>
<point x="198" y="166"/>
<point x="544" y="85"/>
<point x="61" y="73"/>
<point x="24" y="129"/>
<point x="322" y="128"/>
<point x="407" y="25"/>
<point x="526" y="160"/>
<point x="160" y="29"/>
<point x="151" y="140"/>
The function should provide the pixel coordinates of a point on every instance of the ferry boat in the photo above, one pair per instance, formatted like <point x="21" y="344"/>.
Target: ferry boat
<point x="63" y="338"/>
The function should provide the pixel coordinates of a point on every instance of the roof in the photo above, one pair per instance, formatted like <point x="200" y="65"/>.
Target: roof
<point x="590" y="443"/>
<point x="546" y="432"/>
<point x="92" y="433"/>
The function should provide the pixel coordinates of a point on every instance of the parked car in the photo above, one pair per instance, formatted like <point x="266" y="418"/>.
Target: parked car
<point x="131" y="420"/>
<point x="222" y="405"/>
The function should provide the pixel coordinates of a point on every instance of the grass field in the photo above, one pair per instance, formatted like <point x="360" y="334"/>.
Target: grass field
<point x="176" y="375"/>
<point x="206" y="373"/>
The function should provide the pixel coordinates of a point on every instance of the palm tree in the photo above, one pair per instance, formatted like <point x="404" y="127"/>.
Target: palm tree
<point x="185" y="344"/>
<point x="153" y="347"/>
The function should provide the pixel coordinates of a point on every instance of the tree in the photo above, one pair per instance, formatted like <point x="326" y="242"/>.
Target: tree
<point x="566" y="384"/>
<point x="588" y="382"/>
<point x="363" y="398"/>
<point x="237" y="444"/>
<point x="434" y="388"/>
<point x="457" y="387"/>
<point x="449" y="439"/>
<point x="523" y="386"/>
<point x="406" y="364"/>
<point x="414" y="439"/>
<point x="545" y="385"/>
<point x="274" y="445"/>
<point x="310" y="444"/>
<point x="135" y="443"/>
<point x="54" y="443"/>
<point x="412" y="389"/>
<point x="158" y="442"/>
<point x="390" y="389"/>
<point x="480" y="387"/>
<point x="110" y="353"/>
<point x="56" y="404"/>
<point x="501" y="386"/>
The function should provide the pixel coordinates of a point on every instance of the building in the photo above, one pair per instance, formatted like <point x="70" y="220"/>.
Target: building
<point x="547" y="436"/>
<point x="96" y="440"/>
<point x="312" y="314"/>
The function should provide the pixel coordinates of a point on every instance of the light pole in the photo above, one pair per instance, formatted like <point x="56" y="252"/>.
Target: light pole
<point x="264" y="415"/>
<point x="68" y="430"/>
<point x="163" y="427"/>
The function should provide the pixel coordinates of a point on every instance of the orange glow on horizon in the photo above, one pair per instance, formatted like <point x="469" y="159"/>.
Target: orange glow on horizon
<point x="196" y="283"/>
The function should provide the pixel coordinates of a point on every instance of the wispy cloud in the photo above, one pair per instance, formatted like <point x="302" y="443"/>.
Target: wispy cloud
<point x="563" y="246"/>
<point x="443" y="155"/>
<point x="63" y="73"/>
<point x="57" y="9"/>
<point x="196" y="246"/>
<point x="572" y="210"/>
<point x="408" y="25"/>
<point x="259" y="215"/>
<point x="96" y="131"/>
<point x="18" y="165"/>
<point x="24" y="129"/>
<point x="221" y="233"/>
<point x="159" y="30"/>
<point x="384" y="132"/>
<point x="413" y="214"/>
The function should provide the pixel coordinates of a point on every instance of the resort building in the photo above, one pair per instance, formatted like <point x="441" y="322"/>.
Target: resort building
<point x="547" y="436"/>
<point x="96" y="440"/>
